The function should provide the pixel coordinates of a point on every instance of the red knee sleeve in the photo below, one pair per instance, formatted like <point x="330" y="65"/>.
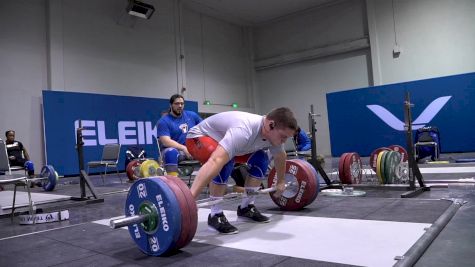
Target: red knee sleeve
<point x="242" y="159"/>
<point x="201" y="148"/>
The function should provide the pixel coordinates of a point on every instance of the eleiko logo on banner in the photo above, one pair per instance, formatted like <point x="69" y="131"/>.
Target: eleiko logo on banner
<point x="129" y="133"/>
<point x="424" y="118"/>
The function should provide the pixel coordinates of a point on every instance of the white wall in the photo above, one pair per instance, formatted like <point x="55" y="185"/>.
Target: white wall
<point x="318" y="27"/>
<point x="94" y="46"/>
<point x="437" y="38"/>
<point x="298" y="85"/>
<point x="23" y="72"/>
<point x="106" y="51"/>
<point x="217" y="63"/>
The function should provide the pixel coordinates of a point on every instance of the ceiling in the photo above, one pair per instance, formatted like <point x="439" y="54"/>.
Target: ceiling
<point x="251" y="12"/>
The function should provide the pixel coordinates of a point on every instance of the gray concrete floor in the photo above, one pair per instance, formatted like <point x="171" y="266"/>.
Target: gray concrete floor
<point x="67" y="243"/>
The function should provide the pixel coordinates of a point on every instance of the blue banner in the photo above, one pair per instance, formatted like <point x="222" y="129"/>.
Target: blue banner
<point x="362" y="120"/>
<point x="105" y="119"/>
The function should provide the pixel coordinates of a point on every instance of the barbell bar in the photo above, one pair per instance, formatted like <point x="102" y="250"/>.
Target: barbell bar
<point x="48" y="176"/>
<point x="141" y="218"/>
<point x="122" y="222"/>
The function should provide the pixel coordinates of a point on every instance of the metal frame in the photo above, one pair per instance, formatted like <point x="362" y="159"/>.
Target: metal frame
<point x="4" y="162"/>
<point x="182" y="164"/>
<point x="107" y="161"/>
<point x="434" y="144"/>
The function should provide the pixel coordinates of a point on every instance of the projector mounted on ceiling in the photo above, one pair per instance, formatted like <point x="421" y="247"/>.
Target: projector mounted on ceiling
<point x="140" y="9"/>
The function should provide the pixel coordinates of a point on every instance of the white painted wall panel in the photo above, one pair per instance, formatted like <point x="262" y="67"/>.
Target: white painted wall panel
<point x="300" y="84"/>
<point x="23" y="72"/>
<point x="297" y="86"/>
<point x="315" y="28"/>
<point x="217" y="62"/>
<point x="437" y="38"/>
<point x="104" y="56"/>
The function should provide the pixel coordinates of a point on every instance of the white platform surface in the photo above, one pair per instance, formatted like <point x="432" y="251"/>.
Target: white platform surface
<point x="346" y="241"/>
<point x="6" y="198"/>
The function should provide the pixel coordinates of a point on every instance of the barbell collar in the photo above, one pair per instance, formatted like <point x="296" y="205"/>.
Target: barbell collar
<point x="118" y="223"/>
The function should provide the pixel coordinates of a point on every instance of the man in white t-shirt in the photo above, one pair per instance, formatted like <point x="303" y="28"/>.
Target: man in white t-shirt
<point x="232" y="137"/>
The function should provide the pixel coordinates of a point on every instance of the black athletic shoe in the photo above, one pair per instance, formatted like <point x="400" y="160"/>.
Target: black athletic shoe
<point x="250" y="212"/>
<point x="219" y="223"/>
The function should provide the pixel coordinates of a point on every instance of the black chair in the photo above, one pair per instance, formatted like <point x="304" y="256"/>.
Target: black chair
<point x="110" y="159"/>
<point x="427" y="143"/>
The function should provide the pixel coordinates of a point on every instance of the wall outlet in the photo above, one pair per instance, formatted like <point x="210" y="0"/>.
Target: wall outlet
<point x="397" y="50"/>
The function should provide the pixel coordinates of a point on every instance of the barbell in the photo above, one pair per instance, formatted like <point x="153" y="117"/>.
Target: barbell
<point x="118" y="223"/>
<point x="48" y="178"/>
<point x="162" y="215"/>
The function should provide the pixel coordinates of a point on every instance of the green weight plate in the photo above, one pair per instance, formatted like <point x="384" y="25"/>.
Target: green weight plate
<point x="373" y="159"/>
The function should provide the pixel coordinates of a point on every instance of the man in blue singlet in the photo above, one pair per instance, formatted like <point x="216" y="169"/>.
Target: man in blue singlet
<point x="172" y="129"/>
<point x="301" y="140"/>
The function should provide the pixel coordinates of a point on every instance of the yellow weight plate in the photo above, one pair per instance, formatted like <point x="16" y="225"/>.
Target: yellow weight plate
<point x="149" y="168"/>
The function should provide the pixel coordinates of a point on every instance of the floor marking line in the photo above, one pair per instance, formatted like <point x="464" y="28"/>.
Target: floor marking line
<point x="42" y="231"/>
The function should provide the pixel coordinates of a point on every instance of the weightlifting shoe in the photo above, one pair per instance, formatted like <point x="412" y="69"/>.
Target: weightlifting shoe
<point x="250" y="212"/>
<point x="219" y="223"/>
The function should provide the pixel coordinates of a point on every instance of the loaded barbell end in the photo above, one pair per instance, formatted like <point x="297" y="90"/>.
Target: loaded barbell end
<point x="119" y="223"/>
<point x="129" y="220"/>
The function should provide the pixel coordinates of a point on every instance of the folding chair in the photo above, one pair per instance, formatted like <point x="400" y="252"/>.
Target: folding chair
<point x="110" y="158"/>
<point x="16" y="181"/>
<point x="185" y="167"/>
<point x="5" y="163"/>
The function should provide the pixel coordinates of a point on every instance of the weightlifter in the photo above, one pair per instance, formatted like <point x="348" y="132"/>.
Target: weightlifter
<point x="172" y="129"/>
<point x="239" y="137"/>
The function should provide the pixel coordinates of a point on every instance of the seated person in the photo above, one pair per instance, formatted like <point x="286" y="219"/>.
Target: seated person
<point x="172" y="129"/>
<point x="17" y="154"/>
<point x="301" y="140"/>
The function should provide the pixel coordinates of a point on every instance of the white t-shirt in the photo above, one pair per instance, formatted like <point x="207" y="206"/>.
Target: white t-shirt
<point x="239" y="133"/>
